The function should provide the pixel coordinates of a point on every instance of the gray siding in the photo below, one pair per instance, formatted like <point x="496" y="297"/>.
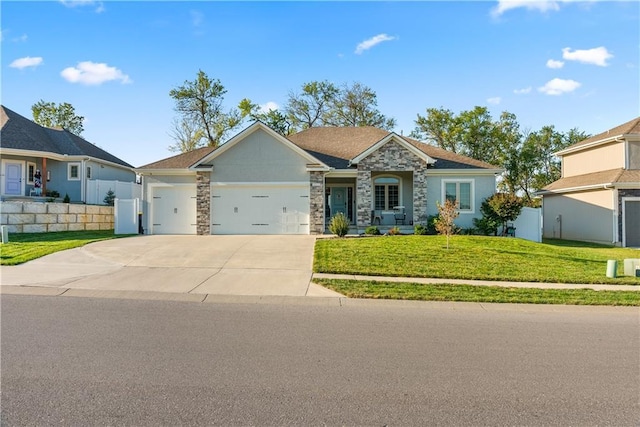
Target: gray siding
<point x="259" y="158"/>
<point x="483" y="186"/>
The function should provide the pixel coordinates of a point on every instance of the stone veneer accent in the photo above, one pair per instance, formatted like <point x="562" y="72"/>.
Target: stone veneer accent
<point x="203" y="207"/>
<point x="624" y="193"/>
<point x="316" y="202"/>
<point x="41" y="217"/>
<point x="391" y="157"/>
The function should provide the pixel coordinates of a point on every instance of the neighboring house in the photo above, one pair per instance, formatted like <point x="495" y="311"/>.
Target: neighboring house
<point x="260" y="182"/>
<point x="598" y="197"/>
<point x="66" y="162"/>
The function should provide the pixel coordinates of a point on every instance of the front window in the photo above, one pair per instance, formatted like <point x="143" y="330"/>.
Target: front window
<point x="88" y="172"/>
<point x="459" y="192"/>
<point x="31" y="171"/>
<point x="387" y="192"/>
<point x="73" y="172"/>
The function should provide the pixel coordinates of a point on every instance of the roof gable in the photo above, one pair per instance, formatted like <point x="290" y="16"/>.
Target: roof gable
<point x="632" y="127"/>
<point x="312" y="160"/>
<point x="395" y="138"/>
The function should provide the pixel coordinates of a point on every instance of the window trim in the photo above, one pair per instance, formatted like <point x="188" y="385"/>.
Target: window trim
<point x="472" y="193"/>
<point x="69" y="168"/>
<point x="388" y="207"/>
<point x="31" y="179"/>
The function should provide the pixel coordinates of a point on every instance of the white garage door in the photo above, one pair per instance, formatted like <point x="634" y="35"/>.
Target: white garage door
<point x="174" y="210"/>
<point x="260" y="209"/>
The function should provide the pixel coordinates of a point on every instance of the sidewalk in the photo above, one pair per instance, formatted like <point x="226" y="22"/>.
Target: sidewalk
<point x="428" y="281"/>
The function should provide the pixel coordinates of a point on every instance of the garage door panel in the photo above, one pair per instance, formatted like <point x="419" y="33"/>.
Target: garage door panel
<point x="260" y="209"/>
<point x="174" y="210"/>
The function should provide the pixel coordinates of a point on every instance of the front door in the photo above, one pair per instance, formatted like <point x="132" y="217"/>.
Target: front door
<point x="338" y="201"/>
<point x="12" y="179"/>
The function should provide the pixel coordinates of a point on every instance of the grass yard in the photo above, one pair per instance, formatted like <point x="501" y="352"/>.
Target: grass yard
<point x="472" y="257"/>
<point x="23" y="247"/>
<point x="468" y="293"/>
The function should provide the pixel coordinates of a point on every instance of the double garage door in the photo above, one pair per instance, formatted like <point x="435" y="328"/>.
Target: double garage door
<point x="235" y="209"/>
<point x="260" y="209"/>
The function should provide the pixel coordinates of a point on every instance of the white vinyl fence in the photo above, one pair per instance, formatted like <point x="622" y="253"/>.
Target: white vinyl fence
<point x="529" y="224"/>
<point x="97" y="190"/>
<point x="125" y="215"/>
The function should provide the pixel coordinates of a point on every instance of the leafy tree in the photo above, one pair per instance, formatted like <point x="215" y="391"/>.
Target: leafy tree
<point x="199" y="102"/>
<point x="110" y="198"/>
<point x="439" y="127"/>
<point x="489" y="223"/>
<point x="62" y="115"/>
<point x="506" y="207"/>
<point x="356" y="105"/>
<point x="447" y="213"/>
<point x="275" y="119"/>
<point x="309" y="107"/>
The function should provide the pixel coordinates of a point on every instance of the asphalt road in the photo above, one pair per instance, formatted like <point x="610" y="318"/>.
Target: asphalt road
<point x="83" y="361"/>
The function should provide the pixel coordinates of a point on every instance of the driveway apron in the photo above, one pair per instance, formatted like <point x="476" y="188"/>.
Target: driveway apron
<point x="222" y="265"/>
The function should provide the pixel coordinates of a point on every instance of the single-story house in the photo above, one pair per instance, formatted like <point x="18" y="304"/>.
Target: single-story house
<point x="260" y="182"/>
<point x="38" y="160"/>
<point x="597" y="198"/>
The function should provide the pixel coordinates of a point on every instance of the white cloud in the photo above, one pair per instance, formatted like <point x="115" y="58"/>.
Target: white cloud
<point x="522" y="91"/>
<point x="495" y="100"/>
<point x="197" y="18"/>
<point x="596" y="56"/>
<point x="25" y="62"/>
<point x="79" y="3"/>
<point x="369" y="43"/>
<point x="539" y="5"/>
<point x="264" y="108"/>
<point x="552" y="63"/>
<point x="92" y="73"/>
<point x="559" y="86"/>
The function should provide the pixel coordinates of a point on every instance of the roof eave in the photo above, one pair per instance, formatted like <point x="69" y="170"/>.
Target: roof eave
<point x="60" y="157"/>
<point x="609" y="140"/>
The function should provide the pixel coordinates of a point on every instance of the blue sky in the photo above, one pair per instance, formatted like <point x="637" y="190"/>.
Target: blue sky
<point x="563" y="63"/>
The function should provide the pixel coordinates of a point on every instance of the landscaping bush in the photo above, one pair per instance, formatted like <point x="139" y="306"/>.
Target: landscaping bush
<point x="394" y="231"/>
<point x="339" y="225"/>
<point x="372" y="230"/>
<point x="66" y="199"/>
<point x="420" y="230"/>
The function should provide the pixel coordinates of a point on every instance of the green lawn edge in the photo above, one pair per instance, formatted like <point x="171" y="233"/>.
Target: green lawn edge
<point x="368" y="289"/>
<point x="25" y="247"/>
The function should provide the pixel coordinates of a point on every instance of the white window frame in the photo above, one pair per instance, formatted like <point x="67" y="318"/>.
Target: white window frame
<point x="388" y="207"/>
<point x="472" y="193"/>
<point x="35" y="167"/>
<point x="69" y="168"/>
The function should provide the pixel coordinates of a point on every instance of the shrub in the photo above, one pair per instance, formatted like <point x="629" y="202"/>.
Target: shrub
<point x="420" y="230"/>
<point x="431" y="224"/>
<point x="394" y="231"/>
<point x="110" y="198"/>
<point x="372" y="230"/>
<point x="339" y="225"/>
<point x="66" y="199"/>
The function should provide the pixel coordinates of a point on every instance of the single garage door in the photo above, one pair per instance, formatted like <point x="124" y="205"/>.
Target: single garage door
<point x="174" y="210"/>
<point x="260" y="209"/>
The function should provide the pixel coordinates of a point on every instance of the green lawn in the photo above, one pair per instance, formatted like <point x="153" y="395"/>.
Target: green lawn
<point x="472" y="257"/>
<point x="23" y="247"/>
<point x="468" y="293"/>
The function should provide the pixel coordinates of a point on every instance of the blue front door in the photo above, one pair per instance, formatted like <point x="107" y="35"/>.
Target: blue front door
<point x="13" y="179"/>
<point x="338" y="200"/>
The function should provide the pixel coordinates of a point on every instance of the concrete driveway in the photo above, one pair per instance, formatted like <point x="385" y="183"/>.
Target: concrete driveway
<point x="219" y="265"/>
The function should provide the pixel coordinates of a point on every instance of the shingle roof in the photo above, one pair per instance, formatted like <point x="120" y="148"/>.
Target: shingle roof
<point x="630" y="127"/>
<point x="336" y="146"/>
<point x="180" y="161"/>
<point x="612" y="176"/>
<point x="20" y="133"/>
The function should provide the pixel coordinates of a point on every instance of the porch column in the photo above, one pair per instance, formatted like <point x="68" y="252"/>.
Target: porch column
<point x="363" y="197"/>
<point x="203" y="203"/>
<point x="316" y="202"/>
<point x="44" y="177"/>
<point x="420" y="194"/>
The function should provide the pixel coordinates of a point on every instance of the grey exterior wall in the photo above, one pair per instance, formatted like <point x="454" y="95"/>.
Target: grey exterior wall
<point x="483" y="186"/>
<point x="259" y="158"/>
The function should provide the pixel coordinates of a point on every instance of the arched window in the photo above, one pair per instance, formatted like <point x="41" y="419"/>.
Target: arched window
<point x="387" y="192"/>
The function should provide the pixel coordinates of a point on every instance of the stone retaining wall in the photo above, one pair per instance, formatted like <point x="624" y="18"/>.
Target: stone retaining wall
<point x="34" y="217"/>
